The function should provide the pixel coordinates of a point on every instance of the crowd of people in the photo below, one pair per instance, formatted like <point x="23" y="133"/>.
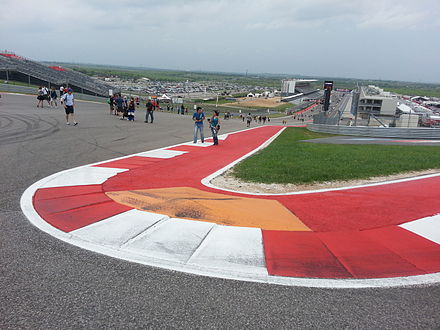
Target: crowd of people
<point x="51" y="97"/>
<point x="214" y="125"/>
<point x="256" y="118"/>
<point x="125" y="109"/>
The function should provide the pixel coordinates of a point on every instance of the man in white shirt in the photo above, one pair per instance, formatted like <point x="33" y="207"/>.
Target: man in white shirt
<point x="68" y="105"/>
<point x="46" y="94"/>
<point x="61" y="91"/>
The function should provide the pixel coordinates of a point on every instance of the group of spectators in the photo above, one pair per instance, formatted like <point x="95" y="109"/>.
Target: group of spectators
<point x="125" y="108"/>
<point x="258" y="119"/>
<point x="50" y="96"/>
<point x="214" y="125"/>
<point x="180" y="110"/>
<point x="66" y="99"/>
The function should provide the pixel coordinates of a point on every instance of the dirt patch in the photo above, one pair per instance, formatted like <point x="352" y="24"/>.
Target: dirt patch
<point x="228" y="181"/>
<point x="272" y="102"/>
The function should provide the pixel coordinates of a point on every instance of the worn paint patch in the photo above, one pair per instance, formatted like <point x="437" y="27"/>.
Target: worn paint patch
<point x="196" y="204"/>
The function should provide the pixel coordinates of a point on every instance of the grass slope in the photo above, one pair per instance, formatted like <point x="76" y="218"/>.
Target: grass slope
<point x="287" y="160"/>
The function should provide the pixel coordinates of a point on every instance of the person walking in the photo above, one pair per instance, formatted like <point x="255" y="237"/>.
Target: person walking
<point x="46" y="94"/>
<point x="62" y="92"/>
<point x="125" y="108"/>
<point x="68" y="106"/>
<point x="40" y="97"/>
<point x="53" y="97"/>
<point x="198" y="118"/>
<point x="111" y="102"/>
<point x="248" y="120"/>
<point x="119" y="105"/>
<point x="214" y="124"/>
<point x="131" y="110"/>
<point x="150" y="109"/>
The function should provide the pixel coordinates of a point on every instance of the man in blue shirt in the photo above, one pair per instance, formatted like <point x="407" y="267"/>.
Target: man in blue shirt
<point x="119" y="105"/>
<point x="198" y="118"/>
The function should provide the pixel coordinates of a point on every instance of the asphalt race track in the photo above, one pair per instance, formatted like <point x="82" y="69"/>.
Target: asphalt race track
<point x="46" y="283"/>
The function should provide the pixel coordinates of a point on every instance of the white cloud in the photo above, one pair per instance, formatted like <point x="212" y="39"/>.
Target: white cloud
<point x="223" y="34"/>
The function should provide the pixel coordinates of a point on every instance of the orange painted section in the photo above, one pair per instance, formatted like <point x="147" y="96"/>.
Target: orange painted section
<point x="195" y="204"/>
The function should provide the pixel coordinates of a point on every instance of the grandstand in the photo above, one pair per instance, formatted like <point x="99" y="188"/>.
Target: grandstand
<point x="296" y="88"/>
<point x="18" y="68"/>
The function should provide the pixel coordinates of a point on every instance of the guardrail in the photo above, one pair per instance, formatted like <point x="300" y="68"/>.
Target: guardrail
<point x="384" y="132"/>
<point x="33" y="91"/>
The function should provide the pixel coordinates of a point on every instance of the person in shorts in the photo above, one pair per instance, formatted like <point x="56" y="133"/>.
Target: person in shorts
<point x="40" y="97"/>
<point x="68" y="106"/>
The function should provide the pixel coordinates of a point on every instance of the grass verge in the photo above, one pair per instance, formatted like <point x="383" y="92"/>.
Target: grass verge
<point x="288" y="160"/>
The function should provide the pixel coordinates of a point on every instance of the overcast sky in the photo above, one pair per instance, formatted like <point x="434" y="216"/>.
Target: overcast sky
<point x="377" y="39"/>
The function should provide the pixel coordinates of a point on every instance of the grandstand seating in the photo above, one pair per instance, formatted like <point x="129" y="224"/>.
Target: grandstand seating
<point x="305" y="91"/>
<point x="54" y="75"/>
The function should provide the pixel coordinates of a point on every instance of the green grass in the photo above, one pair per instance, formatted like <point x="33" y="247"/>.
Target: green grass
<point x="434" y="92"/>
<point x="287" y="160"/>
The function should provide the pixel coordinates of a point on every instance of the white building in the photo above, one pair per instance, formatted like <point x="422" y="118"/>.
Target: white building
<point x="290" y="87"/>
<point x="373" y="100"/>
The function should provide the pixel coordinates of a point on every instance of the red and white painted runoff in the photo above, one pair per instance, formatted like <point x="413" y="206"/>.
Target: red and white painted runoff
<point x="159" y="208"/>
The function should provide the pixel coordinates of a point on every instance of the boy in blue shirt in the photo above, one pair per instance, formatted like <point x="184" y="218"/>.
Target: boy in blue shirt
<point x="198" y="118"/>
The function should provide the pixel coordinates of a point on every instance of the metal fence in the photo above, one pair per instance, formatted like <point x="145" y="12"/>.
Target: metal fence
<point x="33" y="91"/>
<point x="324" y="119"/>
<point x="384" y="132"/>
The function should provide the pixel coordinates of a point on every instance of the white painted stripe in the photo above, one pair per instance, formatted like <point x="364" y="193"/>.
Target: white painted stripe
<point x="198" y="269"/>
<point x="161" y="153"/>
<point x="174" y="240"/>
<point x="234" y="248"/>
<point x="428" y="228"/>
<point x="82" y="176"/>
<point x="199" y="144"/>
<point x="223" y="136"/>
<point x="118" y="229"/>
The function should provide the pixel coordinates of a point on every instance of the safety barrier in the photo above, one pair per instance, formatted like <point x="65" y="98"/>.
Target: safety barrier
<point x="383" y="132"/>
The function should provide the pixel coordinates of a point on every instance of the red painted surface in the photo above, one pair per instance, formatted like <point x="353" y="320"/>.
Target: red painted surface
<point x="422" y="253"/>
<point x="377" y="253"/>
<point x="365" y="258"/>
<point x="355" y="233"/>
<point x="57" y="192"/>
<point x="190" y="168"/>
<point x="304" y="110"/>
<point x="70" y="208"/>
<point x="130" y="162"/>
<point x="368" y="207"/>
<point x="300" y="254"/>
